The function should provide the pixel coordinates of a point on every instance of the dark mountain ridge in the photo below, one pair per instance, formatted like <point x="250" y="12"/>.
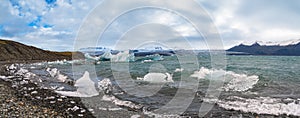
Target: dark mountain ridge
<point x="257" y="49"/>
<point x="14" y="51"/>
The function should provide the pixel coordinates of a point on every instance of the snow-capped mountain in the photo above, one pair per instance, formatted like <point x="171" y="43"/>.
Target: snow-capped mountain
<point x="278" y="43"/>
<point x="285" y="48"/>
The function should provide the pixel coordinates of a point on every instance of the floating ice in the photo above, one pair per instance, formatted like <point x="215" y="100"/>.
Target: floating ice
<point x="61" y="62"/>
<point x="234" y="82"/>
<point x="122" y="57"/>
<point x="85" y="88"/>
<point x="157" y="78"/>
<point x="240" y="82"/>
<point x="147" y="61"/>
<point x="178" y="70"/>
<point x="94" y="58"/>
<point x="262" y="105"/>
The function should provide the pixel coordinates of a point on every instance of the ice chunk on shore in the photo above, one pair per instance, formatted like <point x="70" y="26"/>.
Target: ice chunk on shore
<point x="234" y="81"/>
<point x="105" y="85"/>
<point x="123" y="103"/>
<point x="157" y="78"/>
<point x="12" y="67"/>
<point x="55" y="73"/>
<point x="85" y="88"/>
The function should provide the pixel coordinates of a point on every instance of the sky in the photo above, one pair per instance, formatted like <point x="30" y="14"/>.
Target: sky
<point x="54" y="24"/>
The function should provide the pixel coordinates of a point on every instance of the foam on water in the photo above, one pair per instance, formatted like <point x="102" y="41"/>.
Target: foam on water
<point x="260" y="105"/>
<point x="233" y="81"/>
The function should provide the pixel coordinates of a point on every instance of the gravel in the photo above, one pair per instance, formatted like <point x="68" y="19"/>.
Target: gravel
<point x="13" y="106"/>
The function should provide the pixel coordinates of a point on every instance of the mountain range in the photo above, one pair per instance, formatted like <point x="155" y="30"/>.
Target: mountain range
<point x="280" y="49"/>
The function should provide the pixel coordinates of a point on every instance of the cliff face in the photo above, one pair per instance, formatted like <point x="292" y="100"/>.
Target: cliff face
<point x="256" y="49"/>
<point x="14" y="51"/>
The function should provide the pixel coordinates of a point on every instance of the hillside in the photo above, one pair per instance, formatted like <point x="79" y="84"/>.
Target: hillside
<point x="14" y="51"/>
<point x="257" y="49"/>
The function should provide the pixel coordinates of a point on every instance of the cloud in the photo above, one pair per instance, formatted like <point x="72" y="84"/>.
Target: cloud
<point x="50" y="23"/>
<point x="46" y="24"/>
<point x="255" y="20"/>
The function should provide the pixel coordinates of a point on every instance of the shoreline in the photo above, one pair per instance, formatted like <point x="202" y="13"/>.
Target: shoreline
<point x="31" y="100"/>
<point x="18" y="100"/>
<point x="44" y="107"/>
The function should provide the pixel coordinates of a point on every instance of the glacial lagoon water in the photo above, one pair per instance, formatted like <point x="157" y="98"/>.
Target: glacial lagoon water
<point x="261" y="85"/>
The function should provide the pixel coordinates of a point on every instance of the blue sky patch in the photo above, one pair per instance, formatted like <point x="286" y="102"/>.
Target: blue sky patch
<point x="48" y="26"/>
<point x="50" y="1"/>
<point x="36" y="22"/>
<point x="1" y="28"/>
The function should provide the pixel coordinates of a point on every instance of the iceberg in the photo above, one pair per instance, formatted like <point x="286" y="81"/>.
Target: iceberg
<point x="151" y="58"/>
<point x="152" y="51"/>
<point x="121" y="56"/>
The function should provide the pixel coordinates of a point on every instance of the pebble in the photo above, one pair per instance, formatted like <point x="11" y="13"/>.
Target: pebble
<point x="59" y="100"/>
<point x="34" y="92"/>
<point x="82" y="111"/>
<point x="75" y="108"/>
<point x="52" y="97"/>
